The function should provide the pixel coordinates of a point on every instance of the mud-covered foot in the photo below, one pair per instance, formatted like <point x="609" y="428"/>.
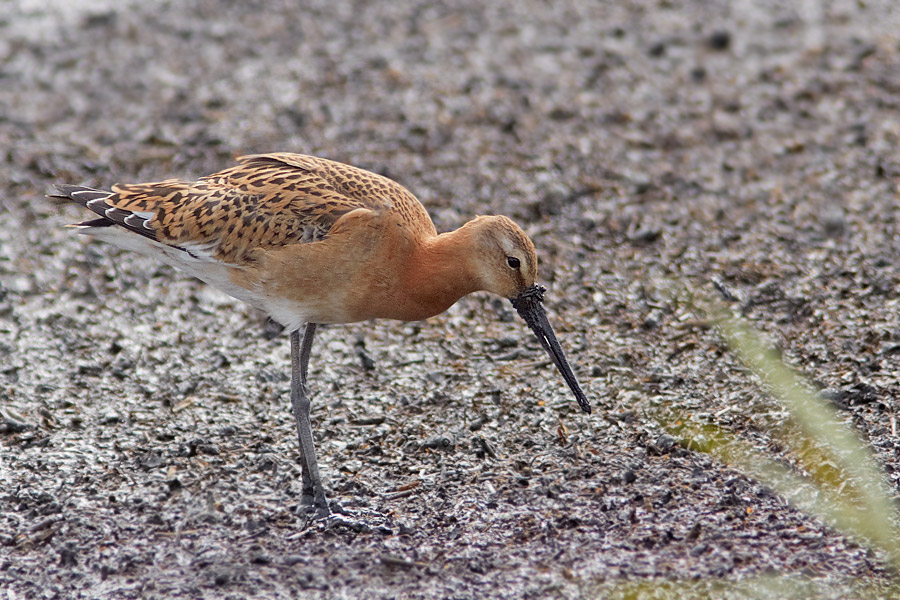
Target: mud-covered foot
<point x="359" y="520"/>
<point x="330" y="514"/>
<point x="314" y="506"/>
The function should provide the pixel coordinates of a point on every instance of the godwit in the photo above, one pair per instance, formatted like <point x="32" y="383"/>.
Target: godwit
<point x="309" y="241"/>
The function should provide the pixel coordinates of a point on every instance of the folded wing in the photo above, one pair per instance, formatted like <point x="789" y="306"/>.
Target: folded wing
<point x="266" y="201"/>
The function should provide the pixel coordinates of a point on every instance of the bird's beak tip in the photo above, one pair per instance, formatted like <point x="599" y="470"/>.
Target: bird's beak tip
<point x="529" y="305"/>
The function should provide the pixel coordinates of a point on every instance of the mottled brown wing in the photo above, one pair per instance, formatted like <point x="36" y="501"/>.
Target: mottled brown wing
<point x="371" y="190"/>
<point x="232" y="215"/>
<point x="266" y="201"/>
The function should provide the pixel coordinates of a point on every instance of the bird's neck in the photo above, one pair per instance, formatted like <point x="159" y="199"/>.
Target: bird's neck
<point x="441" y="271"/>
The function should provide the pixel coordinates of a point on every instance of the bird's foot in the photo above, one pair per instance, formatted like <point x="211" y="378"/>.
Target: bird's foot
<point x="328" y="515"/>
<point x="360" y="520"/>
<point x="314" y="506"/>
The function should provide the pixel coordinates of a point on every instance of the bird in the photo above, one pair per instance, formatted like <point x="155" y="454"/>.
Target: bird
<point x="312" y="241"/>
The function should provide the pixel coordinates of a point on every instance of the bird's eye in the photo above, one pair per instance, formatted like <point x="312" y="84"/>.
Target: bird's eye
<point x="513" y="262"/>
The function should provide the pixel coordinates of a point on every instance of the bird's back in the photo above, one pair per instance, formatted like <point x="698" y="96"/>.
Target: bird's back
<point x="264" y="202"/>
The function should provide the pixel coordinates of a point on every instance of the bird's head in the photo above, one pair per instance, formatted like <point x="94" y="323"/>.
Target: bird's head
<point x="507" y="266"/>
<point x="506" y="260"/>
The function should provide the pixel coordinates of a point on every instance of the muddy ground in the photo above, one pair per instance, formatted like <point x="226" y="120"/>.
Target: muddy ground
<point x="148" y="450"/>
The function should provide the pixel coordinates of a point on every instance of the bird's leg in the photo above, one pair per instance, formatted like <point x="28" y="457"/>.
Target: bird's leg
<point x="313" y="492"/>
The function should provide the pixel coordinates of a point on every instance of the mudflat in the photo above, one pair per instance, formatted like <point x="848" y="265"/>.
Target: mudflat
<point x="147" y="449"/>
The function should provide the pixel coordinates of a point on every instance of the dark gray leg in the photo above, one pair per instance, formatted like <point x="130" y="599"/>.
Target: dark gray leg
<point x="313" y="492"/>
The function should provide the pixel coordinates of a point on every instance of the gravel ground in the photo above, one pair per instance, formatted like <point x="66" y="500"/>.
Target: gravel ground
<point x="147" y="444"/>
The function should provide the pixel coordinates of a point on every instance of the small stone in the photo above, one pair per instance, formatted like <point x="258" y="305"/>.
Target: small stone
<point x="664" y="443"/>
<point x="67" y="557"/>
<point x="208" y="449"/>
<point x="653" y="319"/>
<point x="438" y="442"/>
<point x="834" y="222"/>
<point x="151" y="460"/>
<point x="221" y="578"/>
<point x="645" y="235"/>
<point x="720" y="40"/>
<point x="110" y="418"/>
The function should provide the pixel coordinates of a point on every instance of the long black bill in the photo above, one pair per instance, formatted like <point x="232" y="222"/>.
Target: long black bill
<point x="529" y="305"/>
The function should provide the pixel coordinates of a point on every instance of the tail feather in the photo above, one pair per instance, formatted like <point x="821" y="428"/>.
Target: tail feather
<point x="92" y="223"/>
<point x="96" y="201"/>
<point x="78" y="193"/>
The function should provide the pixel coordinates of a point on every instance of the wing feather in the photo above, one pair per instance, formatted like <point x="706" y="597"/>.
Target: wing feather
<point x="265" y="201"/>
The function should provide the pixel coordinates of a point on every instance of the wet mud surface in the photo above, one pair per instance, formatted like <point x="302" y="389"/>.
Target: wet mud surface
<point x="148" y="449"/>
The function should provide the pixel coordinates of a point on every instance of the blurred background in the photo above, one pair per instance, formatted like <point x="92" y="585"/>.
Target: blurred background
<point x="638" y="143"/>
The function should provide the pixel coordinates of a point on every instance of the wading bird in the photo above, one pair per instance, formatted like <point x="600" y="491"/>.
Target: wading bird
<point x="310" y="241"/>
